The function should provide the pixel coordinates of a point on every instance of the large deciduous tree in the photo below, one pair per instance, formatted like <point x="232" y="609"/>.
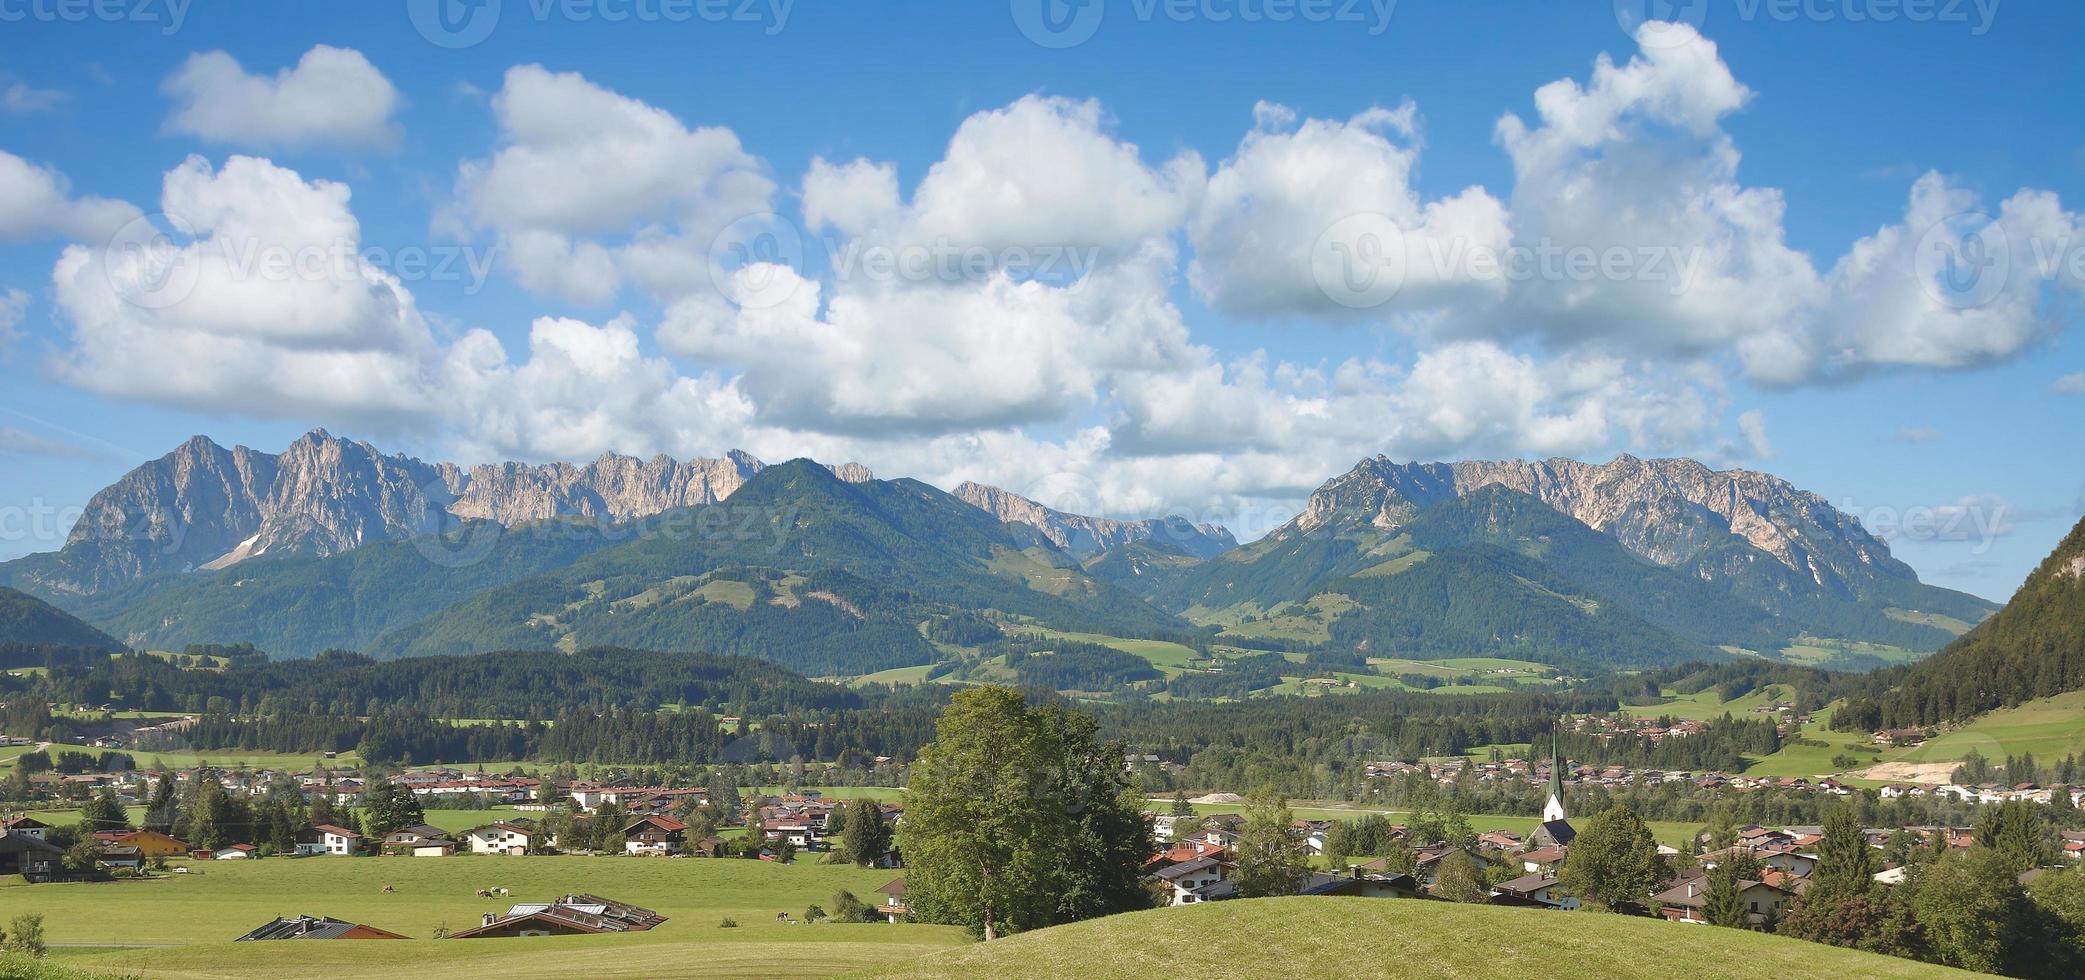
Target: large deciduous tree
<point x="1614" y="862"/>
<point x="1018" y="818"/>
<point x="1271" y="857"/>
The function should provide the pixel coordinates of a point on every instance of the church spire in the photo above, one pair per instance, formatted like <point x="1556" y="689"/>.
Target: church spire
<point x="1554" y="809"/>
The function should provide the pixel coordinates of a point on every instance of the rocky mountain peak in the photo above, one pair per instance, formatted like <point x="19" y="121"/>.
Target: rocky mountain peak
<point x="1669" y="511"/>
<point x="1082" y="536"/>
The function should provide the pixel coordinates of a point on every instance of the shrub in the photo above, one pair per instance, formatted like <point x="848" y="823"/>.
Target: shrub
<point x="728" y="923"/>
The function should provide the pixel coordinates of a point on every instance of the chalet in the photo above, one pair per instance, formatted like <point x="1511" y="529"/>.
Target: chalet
<point x="1541" y="859"/>
<point x="500" y="837"/>
<point x="120" y="856"/>
<point x="893" y="907"/>
<point x="417" y="841"/>
<point x="1197" y="881"/>
<point x="315" y="927"/>
<point x="328" y="839"/>
<point x="235" y="852"/>
<point x="1540" y="889"/>
<point x="24" y="825"/>
<point x="1683" y="902"/>
<point x="572" y="915"/>
<point x="655" y="836"/>
<point x="1500" y="840"/>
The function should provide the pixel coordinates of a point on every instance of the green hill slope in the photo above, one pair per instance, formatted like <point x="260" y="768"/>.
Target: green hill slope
<point x="2033" y="648"/>
<point x="1301" y="937"/>
<point x="28" y="620"/>
<point x="820" y="575"/>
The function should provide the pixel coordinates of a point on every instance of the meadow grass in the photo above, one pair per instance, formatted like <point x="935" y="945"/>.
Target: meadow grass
<point x="220" y="901"/>
<point x="1301" y="937"/>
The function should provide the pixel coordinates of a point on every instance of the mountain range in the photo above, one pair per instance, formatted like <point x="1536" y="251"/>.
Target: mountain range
<point x="827" y="570"/>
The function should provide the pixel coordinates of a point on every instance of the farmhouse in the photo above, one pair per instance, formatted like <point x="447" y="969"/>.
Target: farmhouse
<point x="316" y="927"/>
<point x="893" y="907"/>
<point x="655" y="835"/>
<point x="1684" y="901"/>
<point x="499" y="838"/>
<point x="572" y="915"/>
<point x="325" y="838"/>
<point x="24" y="825"/>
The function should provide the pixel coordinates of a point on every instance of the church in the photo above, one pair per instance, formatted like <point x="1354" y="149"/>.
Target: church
<point x="1555" y="829"/>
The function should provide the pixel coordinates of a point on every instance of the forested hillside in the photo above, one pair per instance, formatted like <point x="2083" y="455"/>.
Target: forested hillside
<point x="2033" y="648"/>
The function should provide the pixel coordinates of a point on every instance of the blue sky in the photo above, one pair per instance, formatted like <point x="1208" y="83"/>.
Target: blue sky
<point x="1186" y="161"/>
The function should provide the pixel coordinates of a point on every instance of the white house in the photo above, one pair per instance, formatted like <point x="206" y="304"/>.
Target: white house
<point x="499" y="838"/>
<point x="326" y="838"/>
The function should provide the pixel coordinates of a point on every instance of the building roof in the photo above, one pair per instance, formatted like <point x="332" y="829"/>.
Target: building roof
<point x="1527" y="884"/>
<point x="1184" y="868"/>
<point x="316" y="927"/>
<point x="582" y="913"/>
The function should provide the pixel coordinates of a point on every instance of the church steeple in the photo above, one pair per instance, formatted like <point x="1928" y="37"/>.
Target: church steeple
<point x="1554" y="809"/>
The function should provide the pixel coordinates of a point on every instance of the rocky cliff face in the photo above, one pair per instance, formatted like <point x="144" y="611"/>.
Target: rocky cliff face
<point x="1674" y="512"/>
<point x="1083" y="536"/>
<point x="204" y="506"/>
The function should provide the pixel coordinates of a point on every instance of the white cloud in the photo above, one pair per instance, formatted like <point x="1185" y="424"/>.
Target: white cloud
<point x="2070" y="384"/>
<point x="584" y="390"/>
<point x="577" y="162"/>
<point x="213" y="317"/>
<point x="21" y="99"/>
<point x="1918" y="434"/>
<point x="1634" y="164"/>
<point x="37" y="201"/>
<point x="1270" y="208"/>
<point x="15" y="442"/>
<point x="14" y="306"/>
<point x="1752" y="426"/>
<point x="1890" y="305"/>
<point x="333" y="97"/>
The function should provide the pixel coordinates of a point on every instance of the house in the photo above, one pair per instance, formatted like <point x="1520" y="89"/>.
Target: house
<point x="655" y="835"/>
<point x="30" y="856"/>
<point x="499" y="837"/>
<point x="1541" y="859"/>
<point x="1499" y="840"/>
<point x="316" y="927"/>
<point x="236" y="852"/>
<point x="1196" y="881"/>
<point x="326" y="838"/>
<point x="1683" y="902"/>
<point x="24" y="825"/>
<point x="1426" y="862"/>
<point x="149" y="843"/>
<point x="1899" y="737"/>
<point x="119" y="856"/>
<point x="893" y="907"/>
<point x="1538" y="888"/>
<point x="417" y="841"/>
<point x="571" y="915"/>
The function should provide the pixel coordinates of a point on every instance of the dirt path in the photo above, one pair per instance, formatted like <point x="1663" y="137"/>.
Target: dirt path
<point x="1924" y="773"/>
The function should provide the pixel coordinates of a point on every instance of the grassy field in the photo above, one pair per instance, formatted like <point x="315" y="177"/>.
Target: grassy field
<point x="226" y="758"/>
<point x="1706" y="704"/>
<point x="2050" y="728"/>
<point x="230" y="899"/>
<point x="1352" y="937"/>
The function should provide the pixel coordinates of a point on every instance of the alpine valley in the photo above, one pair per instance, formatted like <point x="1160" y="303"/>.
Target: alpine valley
<point x="831" y="572"/>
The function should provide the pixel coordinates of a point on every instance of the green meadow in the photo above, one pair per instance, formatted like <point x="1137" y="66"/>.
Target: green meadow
<point x="204" y="910"/>
<point x="1302" y="937"/>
